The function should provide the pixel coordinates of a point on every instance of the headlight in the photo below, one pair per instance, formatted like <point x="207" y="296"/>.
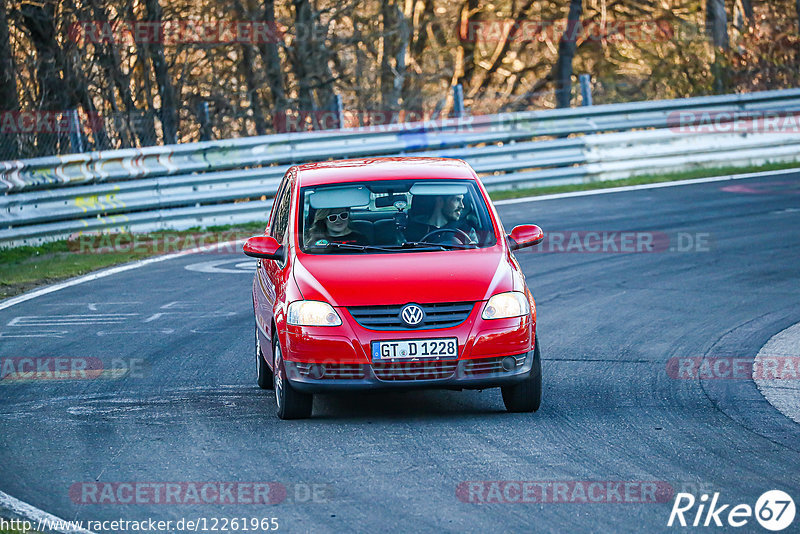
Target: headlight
<point x="504" y="305"/>
<point x="312" y="313"/>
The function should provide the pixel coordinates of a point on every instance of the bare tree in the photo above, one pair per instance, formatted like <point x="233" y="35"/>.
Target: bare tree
<point x="109" y="60"/>
<point x="302" y="55"/>
<point x="566" y="52"/>
<point x="9" y="101"/>
<point x="53" y="95"/>
<point x="169" y="119"/>
<point x="393" y="59"/>
<point x="272" y="61"/>
<point x="8" y="76"/>
<point x="717" y="23"/>
<point x="717" y="29"/>
<point x="246" y="66"/>
<point x="468" y="19"/>
<point x="309" y="58"/>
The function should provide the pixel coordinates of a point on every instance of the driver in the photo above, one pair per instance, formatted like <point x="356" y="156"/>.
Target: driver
<point x="445" y="213"/>
<point x="332" y="225"/>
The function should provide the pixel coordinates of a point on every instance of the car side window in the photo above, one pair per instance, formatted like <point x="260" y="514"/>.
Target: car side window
<point x="283" y="206"/>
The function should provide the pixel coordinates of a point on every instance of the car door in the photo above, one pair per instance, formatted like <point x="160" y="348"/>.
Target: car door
<point x="272" y="275"/>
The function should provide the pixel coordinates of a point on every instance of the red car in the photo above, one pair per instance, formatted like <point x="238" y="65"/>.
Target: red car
<point x="391" y="273"/>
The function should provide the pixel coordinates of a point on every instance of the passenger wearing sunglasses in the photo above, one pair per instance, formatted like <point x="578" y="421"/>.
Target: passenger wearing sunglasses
<point x="332" y="225"/>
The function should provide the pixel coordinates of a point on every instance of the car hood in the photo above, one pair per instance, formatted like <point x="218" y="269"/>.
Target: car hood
<point x="376" y="279"/>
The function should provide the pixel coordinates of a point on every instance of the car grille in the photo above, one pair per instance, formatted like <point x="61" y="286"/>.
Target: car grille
<point x="415" y="370"/>
<point x="485" y="366"/>
<point x="330" y="371"/>
<point x="439" y="315"/>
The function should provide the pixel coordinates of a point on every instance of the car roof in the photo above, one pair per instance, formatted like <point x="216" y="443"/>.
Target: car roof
<point x="367" y="169"/>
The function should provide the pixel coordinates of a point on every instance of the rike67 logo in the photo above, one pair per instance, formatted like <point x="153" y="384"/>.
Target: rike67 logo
<point x="774" y="510"/>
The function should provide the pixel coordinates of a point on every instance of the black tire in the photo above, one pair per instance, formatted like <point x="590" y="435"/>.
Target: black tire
<point x="264" y="373"/>
<point x="526" y="396"/>
<point x="291" y="403"/>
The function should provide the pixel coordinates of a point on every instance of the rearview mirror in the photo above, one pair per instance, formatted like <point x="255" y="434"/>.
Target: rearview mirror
<point x="525" y="235"/>
<point x="264" y="247"/>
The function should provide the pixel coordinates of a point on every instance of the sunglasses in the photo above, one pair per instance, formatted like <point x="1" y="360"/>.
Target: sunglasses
<point x="336" y="216"/>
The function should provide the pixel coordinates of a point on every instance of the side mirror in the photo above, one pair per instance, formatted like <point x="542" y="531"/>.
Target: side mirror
<point x="525" y="235"/>
<point x="264" y="247"/>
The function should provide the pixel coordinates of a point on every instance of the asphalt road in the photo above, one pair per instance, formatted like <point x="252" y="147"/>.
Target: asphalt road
<point x="190" y="411"/>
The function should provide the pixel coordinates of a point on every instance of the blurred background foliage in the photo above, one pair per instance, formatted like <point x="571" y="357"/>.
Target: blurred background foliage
<point x="384" y="60"/>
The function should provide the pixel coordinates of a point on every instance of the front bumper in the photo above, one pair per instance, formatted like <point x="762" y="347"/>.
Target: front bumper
<point x="480" y="373"/>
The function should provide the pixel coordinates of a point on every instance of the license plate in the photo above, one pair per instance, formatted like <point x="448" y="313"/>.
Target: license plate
<point x="415" y="349"/>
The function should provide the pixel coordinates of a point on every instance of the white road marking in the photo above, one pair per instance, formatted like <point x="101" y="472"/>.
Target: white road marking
<point x="189" y="315"/>
<point x="33" y="514"/>
<point x="54" y="333"/>
<point x="783" y="394"/>
<point x="642" y="186"/>
<point x="165" y="331"/>
<point x="212" y="267"/>
<point x="91" y="306"/>
<point x="177" y="304"/>
<point x="72" y="320"/>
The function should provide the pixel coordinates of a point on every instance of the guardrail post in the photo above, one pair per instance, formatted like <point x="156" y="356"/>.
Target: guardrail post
<point x="338" y="110"/>
<point x="458" y="101"/>
<point x="586" y="89"/>
<point x="205" y="121"/>
<point x="75" y="135"/>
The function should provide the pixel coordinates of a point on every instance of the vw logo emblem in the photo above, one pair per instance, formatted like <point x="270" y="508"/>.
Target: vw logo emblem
<point x="411" y="314"/>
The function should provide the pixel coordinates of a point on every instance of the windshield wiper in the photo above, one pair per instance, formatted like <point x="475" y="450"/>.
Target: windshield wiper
<point x="352" y="246"/>
<point x="426" y="244"/>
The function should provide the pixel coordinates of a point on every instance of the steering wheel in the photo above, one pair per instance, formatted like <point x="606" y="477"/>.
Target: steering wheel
<point x="457" y="233"/>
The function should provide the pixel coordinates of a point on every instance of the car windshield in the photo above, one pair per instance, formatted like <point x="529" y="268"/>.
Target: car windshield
<point x="394" y="216"/>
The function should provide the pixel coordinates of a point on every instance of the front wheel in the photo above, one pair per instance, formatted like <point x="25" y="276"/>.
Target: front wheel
<point x="526" y="396"/>
<point x="291" y="403"/>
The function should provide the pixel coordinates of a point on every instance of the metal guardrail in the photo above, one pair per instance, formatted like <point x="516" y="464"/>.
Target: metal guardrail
<point x="209" y="183"/>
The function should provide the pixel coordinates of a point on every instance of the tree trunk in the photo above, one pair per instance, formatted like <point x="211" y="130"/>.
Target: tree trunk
<point x="717" y="23"/>
<point x="8" y="77"/>
<point x="717" y="29"/>
<point x="468" y="41"/>
<point x="9" y="142"/>
<point x="566" y="52"/>
<point x="169" y="121"/>
<point x="393" y="59"/>
<point x="272" y="65"/>
<point x="109" y="60"/>
<point x="310" y="59"/>
<point x="302" y="56"/>
<point x="246" y="68"/>
<point x="747" y="7"/>
<point x="142" y="120"/>
<point x="53" y="95"/>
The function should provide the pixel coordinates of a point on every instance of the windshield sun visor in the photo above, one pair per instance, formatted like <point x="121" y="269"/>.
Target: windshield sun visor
<point x="339" y="197"/>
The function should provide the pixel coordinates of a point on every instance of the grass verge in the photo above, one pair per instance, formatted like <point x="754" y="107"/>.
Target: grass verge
<point x="25" y="268"/>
